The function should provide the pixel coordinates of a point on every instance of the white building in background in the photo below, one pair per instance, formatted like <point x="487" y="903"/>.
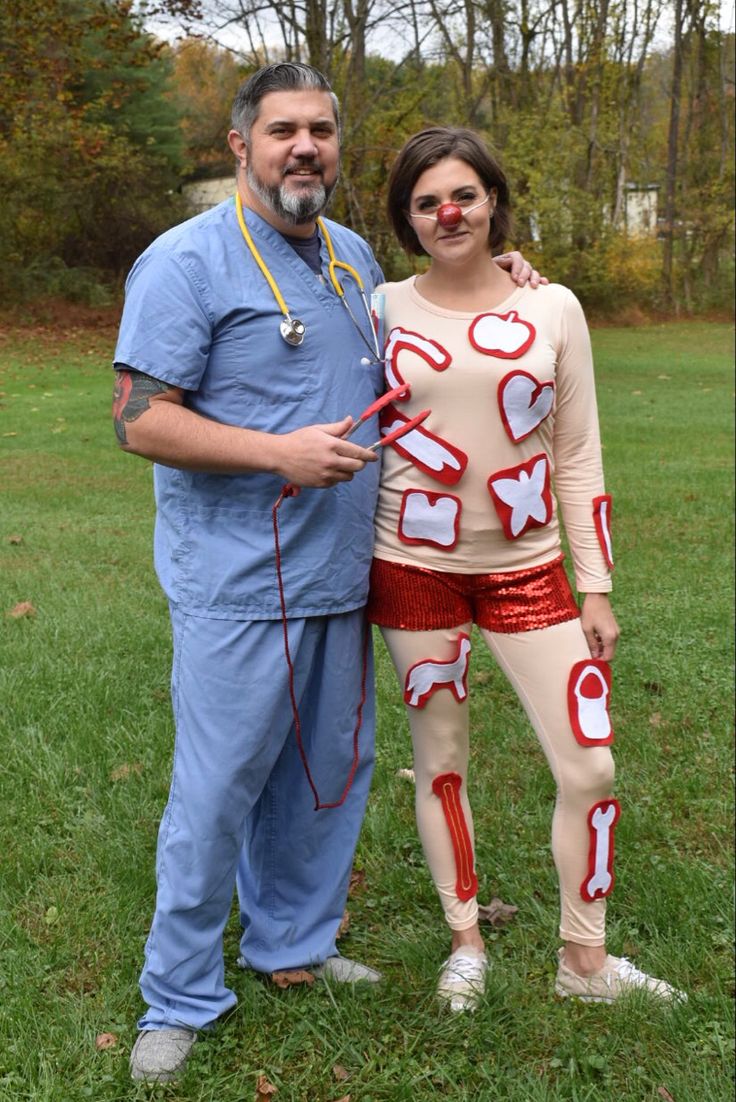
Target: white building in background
<point x="203" y="194"/>
<point x="640" y="209"/>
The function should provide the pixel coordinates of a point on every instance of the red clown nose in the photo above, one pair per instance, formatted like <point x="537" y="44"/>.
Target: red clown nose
<point x="449" y="215"/>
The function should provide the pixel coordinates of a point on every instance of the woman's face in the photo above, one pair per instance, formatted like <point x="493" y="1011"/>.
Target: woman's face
<point x="459" y="235"/>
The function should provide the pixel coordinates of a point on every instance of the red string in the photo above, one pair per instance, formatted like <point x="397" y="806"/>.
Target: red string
<point x="291" y="491"/>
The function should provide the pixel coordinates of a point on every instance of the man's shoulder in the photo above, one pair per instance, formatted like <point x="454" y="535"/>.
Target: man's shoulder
<point x="346" y="236"/>
<point x="198" y="229"/>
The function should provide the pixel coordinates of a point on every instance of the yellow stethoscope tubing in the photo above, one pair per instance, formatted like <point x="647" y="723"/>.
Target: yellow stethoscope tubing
<point x="333" y="265"/>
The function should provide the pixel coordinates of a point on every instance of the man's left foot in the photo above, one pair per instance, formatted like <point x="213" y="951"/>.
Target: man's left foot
<point x="342" y="970"/>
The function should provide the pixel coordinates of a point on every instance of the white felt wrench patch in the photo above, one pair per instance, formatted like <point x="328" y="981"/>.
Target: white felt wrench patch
<point x="522" y="497"/>
<point x="425" y="678"/>
<point x="430" y="453"/>
<point x="504" y="335"/>
<point x="602" y="820"/>
<point x="588" y="696"/>
<point x="524" y="403"/>
<point x="427" y="517"/>
<point x="402" y="339"/>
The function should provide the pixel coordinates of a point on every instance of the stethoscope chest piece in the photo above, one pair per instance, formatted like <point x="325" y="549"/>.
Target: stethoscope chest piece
<point x="292" y="330"/>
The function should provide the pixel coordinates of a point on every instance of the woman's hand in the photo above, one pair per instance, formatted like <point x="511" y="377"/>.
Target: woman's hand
<point x="599" y="625"/>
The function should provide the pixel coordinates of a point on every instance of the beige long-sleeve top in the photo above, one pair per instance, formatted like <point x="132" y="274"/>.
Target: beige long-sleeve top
<point x="513" y="431"/>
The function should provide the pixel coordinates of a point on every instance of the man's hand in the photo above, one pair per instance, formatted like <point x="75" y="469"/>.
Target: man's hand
<point x="318" y="456"/>
<point x="599" y="626"/>
<point x="520" y="269"/>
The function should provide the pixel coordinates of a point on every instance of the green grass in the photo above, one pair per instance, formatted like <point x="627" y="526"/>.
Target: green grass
<point x="85" y="736"/>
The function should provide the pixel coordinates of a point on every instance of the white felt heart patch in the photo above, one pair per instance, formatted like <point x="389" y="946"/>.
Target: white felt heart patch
<point x="524" y="403"/>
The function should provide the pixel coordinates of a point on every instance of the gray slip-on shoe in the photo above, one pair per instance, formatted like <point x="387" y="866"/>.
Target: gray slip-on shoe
<point x="159" y="1055"/>
<point x="343" y="970"/>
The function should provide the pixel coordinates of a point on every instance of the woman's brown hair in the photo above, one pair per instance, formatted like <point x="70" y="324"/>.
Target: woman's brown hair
<point x="424" y="150"/>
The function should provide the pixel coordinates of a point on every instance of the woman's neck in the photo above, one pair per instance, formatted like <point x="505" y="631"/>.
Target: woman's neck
<point x="475" y="286"/>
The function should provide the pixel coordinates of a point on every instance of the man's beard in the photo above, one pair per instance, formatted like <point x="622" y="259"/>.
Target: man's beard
<point x="295" y="207"/>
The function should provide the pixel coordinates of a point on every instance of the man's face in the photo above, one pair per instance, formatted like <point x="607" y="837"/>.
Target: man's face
<point x="292" y="156"/>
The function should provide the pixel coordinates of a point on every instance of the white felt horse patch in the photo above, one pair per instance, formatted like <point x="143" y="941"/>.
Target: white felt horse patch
<point x="427" y="677"/>
<point x="524" y="403"/>
<point x="504" y="335"/>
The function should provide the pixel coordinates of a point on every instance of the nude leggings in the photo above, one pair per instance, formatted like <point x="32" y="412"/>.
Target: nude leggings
<point x="537" y="664"/>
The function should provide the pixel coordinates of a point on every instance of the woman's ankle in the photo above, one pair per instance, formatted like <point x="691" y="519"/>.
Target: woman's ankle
<point x="584" y="960"/>
<point x="468" y="939"/>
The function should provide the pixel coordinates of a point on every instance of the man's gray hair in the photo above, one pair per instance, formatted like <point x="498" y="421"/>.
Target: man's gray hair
<point x="286" y="76"/>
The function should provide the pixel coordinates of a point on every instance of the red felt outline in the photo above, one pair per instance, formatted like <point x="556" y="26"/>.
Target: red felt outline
<point x="538" y="388"/>
<point x="599" y="527"/>
<point x="591" y="851"/>
<point x="572" y="700"/>
<point x="391" y="368"/>
<point x="447" y="476"/>
<point x="497" y="352"/>
<point x="433" y="497"/>
<point x="505" y="511"/>
<point x="436" y="685"/>
<point x="446" y="786"/>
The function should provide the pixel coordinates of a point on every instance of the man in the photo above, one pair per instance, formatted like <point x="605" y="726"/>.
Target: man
<point x="239" y="368"/>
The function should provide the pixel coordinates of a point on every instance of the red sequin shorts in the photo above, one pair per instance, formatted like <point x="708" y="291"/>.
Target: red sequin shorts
<point x="418" y="599"/>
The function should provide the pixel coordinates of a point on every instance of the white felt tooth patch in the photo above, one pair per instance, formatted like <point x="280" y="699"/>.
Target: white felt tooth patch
<point x="431" y="454"/>
<point x="602" y="509"/>
<point x="425" y="678"/>
<point x="427" y="517"/>
<point x="524" y="403"/>
<point x="588" y="702"/>
<point x="521" y="496"/>
<point x="400" y="340"/>
<point x="599" y="880"/>
<point x="504" y="335"/>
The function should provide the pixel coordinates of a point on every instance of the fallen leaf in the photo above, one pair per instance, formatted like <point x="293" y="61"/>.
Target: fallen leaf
<point x="105" y="1040"/>
<point x="15" y="539"/>
<point x="345" y="1098"/>
<point x="340" y="1073"/>
<point x="497" y="913"/>
<point x="407" y="774"/>
<point x="357" y="881"/>
<point x="344" y="926"/>
<point x="664" y="1093"/>
<point x="292" y="979"/>
<point x="655" y="719"/>
<point x="122" y="772"/>
<point x="52" y="916"/>
<point x="23" y="608"/>
<point x="264" y="1089"/>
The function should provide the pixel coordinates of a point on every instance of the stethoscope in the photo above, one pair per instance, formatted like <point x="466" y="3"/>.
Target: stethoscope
<point x="292" y="329"/>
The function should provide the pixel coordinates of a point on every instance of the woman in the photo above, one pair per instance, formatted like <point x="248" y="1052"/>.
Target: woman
<point x="467" y="532"/>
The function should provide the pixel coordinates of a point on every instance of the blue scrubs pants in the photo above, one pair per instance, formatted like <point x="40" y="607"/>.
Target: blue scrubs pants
<point x="239" y="791"/>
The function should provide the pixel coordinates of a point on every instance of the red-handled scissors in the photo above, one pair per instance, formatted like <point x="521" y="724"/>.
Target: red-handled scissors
<point x="400" y="431"/>
<point x="398" y="393"/>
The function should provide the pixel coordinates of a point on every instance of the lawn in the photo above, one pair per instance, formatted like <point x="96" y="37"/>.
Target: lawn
<point x="86" y="736"/>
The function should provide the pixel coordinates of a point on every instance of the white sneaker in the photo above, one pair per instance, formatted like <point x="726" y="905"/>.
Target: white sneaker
<point x="617" y="977"/>
<point x="160" y="1055"/>
<point x="463" y="978"/>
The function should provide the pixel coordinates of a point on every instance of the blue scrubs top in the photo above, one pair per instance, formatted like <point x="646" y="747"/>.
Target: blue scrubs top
<point x="200" y="315"/>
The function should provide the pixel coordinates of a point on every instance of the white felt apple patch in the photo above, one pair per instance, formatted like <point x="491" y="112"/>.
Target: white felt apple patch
<point x="505" y="335"/>
<point x="524" y="403"/>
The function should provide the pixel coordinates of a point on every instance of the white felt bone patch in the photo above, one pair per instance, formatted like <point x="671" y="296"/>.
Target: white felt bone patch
<point x="602" y="508"/>
<point x="504" y="335"/>
<point x="400" y="340"/>
<point x="588" y="701"/>
<point x="431" y="454"/>
<point x="522" y="497"/>
<point x="524" y="403"/>
<point x="425" y="678"/>
<point x="427" y="517"/>
<point x="599" y="880"/>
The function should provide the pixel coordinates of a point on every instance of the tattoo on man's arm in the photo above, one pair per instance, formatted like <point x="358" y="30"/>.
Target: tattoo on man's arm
<point x="132" y="397"/>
